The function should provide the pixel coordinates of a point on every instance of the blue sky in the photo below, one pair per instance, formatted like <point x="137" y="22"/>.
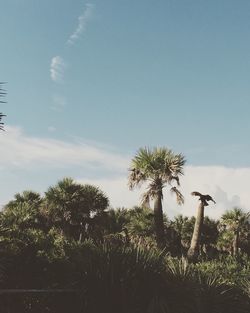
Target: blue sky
<point x="115" y="75"/>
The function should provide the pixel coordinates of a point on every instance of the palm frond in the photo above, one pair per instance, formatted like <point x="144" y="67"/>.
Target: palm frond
<point x="179" y="196"/>
<point x="177" y="179"/>
<point x="145" y="201"/>
<point x="2" y="94"/>
<point x="235" y="219"/>
<point x="136" y="178"/>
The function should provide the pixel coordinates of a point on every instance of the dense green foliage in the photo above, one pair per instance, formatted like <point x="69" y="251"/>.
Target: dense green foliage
<point x="107" y="260"/>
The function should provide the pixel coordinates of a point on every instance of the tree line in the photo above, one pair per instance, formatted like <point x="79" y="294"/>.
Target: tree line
<point x="79" y="212"/>
<point x="137" y="257"/>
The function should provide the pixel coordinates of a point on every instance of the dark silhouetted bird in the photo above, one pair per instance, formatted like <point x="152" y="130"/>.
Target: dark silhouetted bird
<point x="203" y="198"/>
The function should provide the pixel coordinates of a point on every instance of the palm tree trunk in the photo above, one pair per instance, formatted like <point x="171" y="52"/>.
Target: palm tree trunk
<point x="193" y="251"/>
<point x="158" y="218"/>
<point x="236" y="243"/>
<point x="80" y="233"/>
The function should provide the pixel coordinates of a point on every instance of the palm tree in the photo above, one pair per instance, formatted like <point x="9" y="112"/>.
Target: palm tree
<point x="193" y="251"/>
<point x="209" y="236"/>
<point x="141" y="222"/>
<point x="236" y="222"/>
<point x="159" y="167"/>
<point x="24" y="210"/>
<point x="183" y="228"/>
<point x="116" y="220"/>
<point x="73" y="207"/>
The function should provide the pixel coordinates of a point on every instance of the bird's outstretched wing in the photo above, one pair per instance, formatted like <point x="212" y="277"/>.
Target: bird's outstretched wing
<point x="209" y="198"/>
<point x="203" y="198"/>
<point x="196" y="193"/>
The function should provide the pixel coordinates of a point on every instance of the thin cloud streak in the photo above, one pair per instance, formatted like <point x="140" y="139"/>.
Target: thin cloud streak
<point x="57" y="64"/>
<point x="57" y="68"/>
<point x="22" y="151"/>
<point x="82" y="23"/>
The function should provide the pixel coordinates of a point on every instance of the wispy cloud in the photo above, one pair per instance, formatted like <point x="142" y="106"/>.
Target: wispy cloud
<point x="57" y="64"/>
<point x="23" y="151"/>
<point x="57" y="68"/>
<point x="82" y="23"/>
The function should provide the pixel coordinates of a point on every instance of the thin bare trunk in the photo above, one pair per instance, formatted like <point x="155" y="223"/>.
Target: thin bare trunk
<point x="236" y="243"/>
<point x="158" y="218"/>
<point x="82" y="231"/>
<point x="80" y="237"/>
<point x="193" y="251"/>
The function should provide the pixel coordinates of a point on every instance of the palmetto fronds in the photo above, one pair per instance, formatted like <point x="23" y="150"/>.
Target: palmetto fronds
<point x="1" y="123"/>
<point x="156" y="162"/>
<point x="2" y="94"/>
<point x="235" y="223"/>
<point x="158" y="166"/>
<point x="75" y="207"/>
<point x="179" y="268"/>
<point x="235" y="219"/>
<point x="179" y="196"/>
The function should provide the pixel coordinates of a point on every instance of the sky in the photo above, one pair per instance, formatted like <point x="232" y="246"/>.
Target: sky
<point x="90" y="82"/>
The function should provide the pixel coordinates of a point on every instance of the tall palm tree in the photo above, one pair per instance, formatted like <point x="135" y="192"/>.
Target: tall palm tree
<point x="158" y="167"/>
<point x="236" y="221"/>
<point x="193" y="251"/>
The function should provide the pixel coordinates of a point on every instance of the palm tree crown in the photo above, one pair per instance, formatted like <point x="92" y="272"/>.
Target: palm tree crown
<point x="235" y="219"/>
<point x="24" y="210"/>
<point x="236" y="222"/>
<point x="158" y="166"/>
<point x="73" y="206"/>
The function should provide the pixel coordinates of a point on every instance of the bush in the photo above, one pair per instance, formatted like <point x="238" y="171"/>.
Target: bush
<point x="134" y="279"/>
